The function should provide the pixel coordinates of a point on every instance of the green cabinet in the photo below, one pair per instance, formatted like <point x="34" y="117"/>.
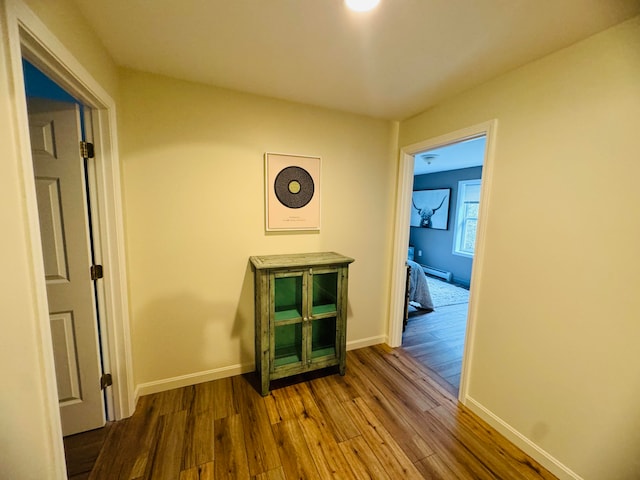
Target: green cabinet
<point x="300" y="313"/>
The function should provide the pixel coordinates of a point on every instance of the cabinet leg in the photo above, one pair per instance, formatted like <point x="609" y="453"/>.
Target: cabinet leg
<point x="342" y="369"/>
<point x="264" y="385"/>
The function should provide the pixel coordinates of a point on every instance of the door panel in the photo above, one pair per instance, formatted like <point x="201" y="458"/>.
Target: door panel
<point x="65" y="355"/>
<point x="62" y="207"/>
<point x="51" y="229"/>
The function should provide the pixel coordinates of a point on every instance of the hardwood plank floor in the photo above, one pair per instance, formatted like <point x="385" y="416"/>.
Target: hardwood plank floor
<point x="387" y="418"/>
<point x="82" y="450"/>
<point x="436" y="340"/>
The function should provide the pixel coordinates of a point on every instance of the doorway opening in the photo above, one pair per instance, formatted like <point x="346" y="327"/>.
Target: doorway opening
<point x="25" y="36"/>
<point x="442" y="236"/>
<point x="404" y="206"/>
<point x="59" y="127"/>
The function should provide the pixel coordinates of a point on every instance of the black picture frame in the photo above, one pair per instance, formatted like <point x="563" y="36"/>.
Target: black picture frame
<point x="430" y="208"/>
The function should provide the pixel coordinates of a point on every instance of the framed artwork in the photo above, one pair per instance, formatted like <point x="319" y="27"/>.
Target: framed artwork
<point x="292" y="188"/>
<point x="430" y="208"/>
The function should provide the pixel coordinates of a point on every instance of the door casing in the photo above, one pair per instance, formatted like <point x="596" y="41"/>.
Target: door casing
<point x="29" y="37"/>
<point x="401" y="235"/>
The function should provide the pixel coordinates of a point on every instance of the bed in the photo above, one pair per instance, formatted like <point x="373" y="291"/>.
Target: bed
<point x="417" y="290"/>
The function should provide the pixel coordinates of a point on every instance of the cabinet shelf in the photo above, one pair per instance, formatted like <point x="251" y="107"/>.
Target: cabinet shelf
<point x="324" y="352"/>
<point x="301" y="312"/>
<point x="289" y="314"/>
<point x="287" y="360"/>
<point x="318" y="310"/>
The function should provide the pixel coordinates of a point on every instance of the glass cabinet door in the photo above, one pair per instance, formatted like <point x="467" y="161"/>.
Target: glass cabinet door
<point x="288" y="312"/>
<point x="287" y="300"/>
<point x="287" y="344"/>
<point x="324" y="293"/>
<point x="305" y="312"/>
<point x="324" y="311"/>
<point x="323" y="338"/>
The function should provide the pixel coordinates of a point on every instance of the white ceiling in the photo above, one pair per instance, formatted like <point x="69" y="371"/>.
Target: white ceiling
<point x="469" y="153"/>
<point x="393" y="62"/>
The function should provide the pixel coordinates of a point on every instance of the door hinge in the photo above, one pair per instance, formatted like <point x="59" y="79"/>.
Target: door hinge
<point x="96" y="272"/>
<point x="86" y="150"/>
<point x="105" y="381"/>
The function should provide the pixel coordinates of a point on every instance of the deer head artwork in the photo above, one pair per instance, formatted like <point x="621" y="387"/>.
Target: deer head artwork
<point x="427" y="213"/>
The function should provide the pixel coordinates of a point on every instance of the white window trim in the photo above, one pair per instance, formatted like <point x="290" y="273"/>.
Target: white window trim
<point x="457" y="229"/>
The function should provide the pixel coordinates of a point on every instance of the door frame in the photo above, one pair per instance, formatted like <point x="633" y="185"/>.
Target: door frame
<point x="401" y="235"/>
<point x="29" y="37"/>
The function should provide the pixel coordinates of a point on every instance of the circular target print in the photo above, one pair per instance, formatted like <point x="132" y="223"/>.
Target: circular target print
<point x="294" y="187"/>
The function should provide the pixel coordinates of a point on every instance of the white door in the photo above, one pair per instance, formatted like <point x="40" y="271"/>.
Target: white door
<point x="62" y="206"/>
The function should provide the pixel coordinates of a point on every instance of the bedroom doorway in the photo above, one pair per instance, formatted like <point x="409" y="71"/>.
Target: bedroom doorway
<point x="426" y="251"/>
<point x="442" y="235"/>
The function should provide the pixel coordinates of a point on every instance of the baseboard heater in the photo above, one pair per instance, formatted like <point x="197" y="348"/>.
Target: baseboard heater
<point x="436" y="272"/>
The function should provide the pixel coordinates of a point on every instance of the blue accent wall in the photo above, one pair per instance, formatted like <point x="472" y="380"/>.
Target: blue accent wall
<point x="437" y="245"/>
<point x="38" y="85"/>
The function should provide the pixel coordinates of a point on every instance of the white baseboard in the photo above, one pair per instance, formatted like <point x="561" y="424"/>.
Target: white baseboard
<point x="191" y="379"/>
<point x="541" y="456"/>
<point x="366" y="342"/>
<point x="230" y="371"/>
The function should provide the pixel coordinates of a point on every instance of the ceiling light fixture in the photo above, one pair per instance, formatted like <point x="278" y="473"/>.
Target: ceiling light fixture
<point x="429" y="157"/>
<point x="362" y="5"/>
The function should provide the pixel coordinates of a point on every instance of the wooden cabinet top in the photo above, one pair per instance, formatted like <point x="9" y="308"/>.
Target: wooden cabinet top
<point x="264" y="262"/>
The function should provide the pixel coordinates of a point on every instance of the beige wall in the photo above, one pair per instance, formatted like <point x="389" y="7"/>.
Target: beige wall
<point x="193" y="173"/>
<point x="68" y="25"/>
<point x="555" y="354"/>
<point x="30" y="441"/>
<point x="25" y="451"/>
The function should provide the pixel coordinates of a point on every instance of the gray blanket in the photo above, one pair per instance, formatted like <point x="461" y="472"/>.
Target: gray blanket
<point x="418" y="287"/>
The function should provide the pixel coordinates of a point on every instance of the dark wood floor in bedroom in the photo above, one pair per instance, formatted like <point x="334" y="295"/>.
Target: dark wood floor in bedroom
<point x="436" y="340"/>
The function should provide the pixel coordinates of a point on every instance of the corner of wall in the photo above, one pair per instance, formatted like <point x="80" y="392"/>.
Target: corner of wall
<point x="525" y="444"/>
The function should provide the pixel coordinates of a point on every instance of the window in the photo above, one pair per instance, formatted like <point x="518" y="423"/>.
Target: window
<point x="466" y="217"/>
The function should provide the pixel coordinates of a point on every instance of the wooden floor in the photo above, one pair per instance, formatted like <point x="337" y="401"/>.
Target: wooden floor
<point x="436" y="340"/>
<point x="385" y="419"/>
<point x="82" y="450"/>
